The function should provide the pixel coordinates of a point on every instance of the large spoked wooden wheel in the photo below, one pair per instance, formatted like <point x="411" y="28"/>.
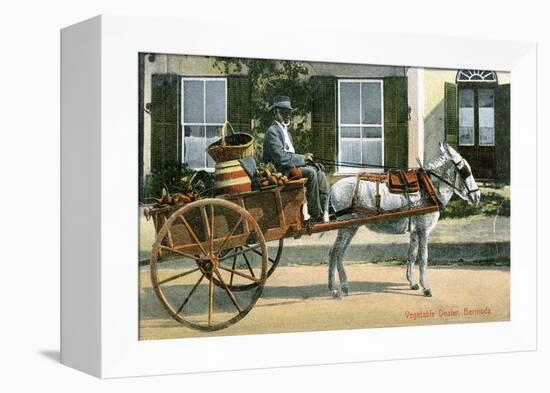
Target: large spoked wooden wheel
<point x="192" y="268"/>
<point x="248" y="258"/>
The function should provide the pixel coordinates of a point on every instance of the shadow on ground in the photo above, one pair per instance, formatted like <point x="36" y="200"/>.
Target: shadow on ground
<point x="151" y="308"/>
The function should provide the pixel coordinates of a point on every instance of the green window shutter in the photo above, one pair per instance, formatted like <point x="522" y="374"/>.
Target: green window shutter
<point x="323" y="118"/>
<point x="165" y="122"/>
<point x="396" y="122"/>
<point x="502" y="132"/>
<point x="451" y="114"/>
<point x="238" y="102"/>
<point x="141" y="131"/>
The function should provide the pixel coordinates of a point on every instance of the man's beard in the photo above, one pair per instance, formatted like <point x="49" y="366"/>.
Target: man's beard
<point x="285" y="122"/>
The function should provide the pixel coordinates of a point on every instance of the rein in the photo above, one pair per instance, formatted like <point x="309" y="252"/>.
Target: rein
<point x="463" y="171"/>
<point x="326" y="161"/>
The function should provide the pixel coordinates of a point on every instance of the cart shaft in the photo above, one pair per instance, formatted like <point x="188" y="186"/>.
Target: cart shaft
<point x="329" y="226"/>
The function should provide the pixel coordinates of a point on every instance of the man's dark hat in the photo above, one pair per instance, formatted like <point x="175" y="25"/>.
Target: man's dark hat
<point x="281" y="102"/>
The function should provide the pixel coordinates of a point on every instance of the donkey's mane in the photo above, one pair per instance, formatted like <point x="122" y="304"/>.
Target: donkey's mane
<point x="441" y="166"/>
<point x="437" y="163"/>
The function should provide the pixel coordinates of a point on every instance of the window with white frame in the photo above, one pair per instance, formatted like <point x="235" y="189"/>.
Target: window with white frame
<point x="466" y="117"/>
<point x="204" y="110"/>
<point x="360" y="123"/>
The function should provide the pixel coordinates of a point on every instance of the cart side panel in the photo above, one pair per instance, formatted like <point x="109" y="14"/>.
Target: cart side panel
<point x="263" y="207"/>
<point x="293" y="200"/>
<point x="277" y="211"/>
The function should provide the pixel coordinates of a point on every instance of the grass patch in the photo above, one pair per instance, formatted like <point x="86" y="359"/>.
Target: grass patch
<point x="494" y="201"/>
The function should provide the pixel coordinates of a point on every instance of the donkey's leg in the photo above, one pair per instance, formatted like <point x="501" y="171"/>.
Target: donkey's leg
<point x="423" y="262"/>
<point x="332" y="264"/>
<point x="411" y="259"/>
<point x="335" y="259"/>
<point x="348" y="235"/>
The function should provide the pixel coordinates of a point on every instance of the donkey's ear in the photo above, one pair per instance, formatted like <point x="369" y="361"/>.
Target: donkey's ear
<point x="449" y="149"/>
<point x="441" y="148"/>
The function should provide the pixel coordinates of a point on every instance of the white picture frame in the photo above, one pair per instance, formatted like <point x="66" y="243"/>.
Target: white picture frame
<point x="99" y="147"/>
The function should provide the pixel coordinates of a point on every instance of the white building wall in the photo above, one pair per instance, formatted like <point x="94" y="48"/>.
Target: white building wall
<point x="415" y="80"/>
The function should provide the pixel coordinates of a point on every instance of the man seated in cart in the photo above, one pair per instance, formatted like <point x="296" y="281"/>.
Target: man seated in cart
<point x="278" y="149"/>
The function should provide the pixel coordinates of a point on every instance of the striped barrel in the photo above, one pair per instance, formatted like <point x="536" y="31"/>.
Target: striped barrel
<point x="231" y="178"/>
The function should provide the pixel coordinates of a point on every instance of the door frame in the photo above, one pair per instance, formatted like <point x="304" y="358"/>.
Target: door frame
<point x="476" y="151"/>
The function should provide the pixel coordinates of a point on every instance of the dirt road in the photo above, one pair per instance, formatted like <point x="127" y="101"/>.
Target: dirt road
<point x="295" y="299"/>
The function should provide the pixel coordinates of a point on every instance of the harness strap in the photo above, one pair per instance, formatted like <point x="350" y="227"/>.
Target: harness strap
<point x="353" y="208"/>
<point x="405" y="185"/>
<point x="428" y="186"/>
<point x="355" y="192"/>
<point x="377" y="196"/>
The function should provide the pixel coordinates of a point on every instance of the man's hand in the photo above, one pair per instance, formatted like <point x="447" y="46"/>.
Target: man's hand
<point x="308" y="157"/>
<point x="319" y="166"/>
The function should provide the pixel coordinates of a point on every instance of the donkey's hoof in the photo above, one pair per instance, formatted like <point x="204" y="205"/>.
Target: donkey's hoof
<point x="428" y="292"/>
<point x="335" y="294"/>
<point x="415" y="287"/>
<point x="345" y="291"/>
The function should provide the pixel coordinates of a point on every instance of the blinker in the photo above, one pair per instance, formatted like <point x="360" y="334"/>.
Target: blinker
<point x="465" y="172"/>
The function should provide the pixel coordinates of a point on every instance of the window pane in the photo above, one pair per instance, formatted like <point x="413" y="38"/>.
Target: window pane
<point x="466" y="98"/>
<point x="486" y="126"/>
<point x="372" y="132"/>
<point x="350" y="132"/>
<point x="371" y="103"/>
<point x="350" y="151"/>
<point x="349" y="103"/>
<point x="212" y="135"/>
<point x="486" y="98"/>
<point x="466" y="136"/>
<point x="193" y="101"/>
<point x="194" y="146"/>
<point x="215" y="101"/>
<point x="486" y="117"/>
<point x="466" y="117"/>
<point x="486" y="136"/>
<point x="372" y="152"/>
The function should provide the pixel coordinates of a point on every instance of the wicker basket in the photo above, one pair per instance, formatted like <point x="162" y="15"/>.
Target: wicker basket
<point x="231" y="147"/>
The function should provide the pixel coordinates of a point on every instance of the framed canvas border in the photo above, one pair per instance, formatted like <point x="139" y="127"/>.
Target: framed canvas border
<point x="102" y="338"/>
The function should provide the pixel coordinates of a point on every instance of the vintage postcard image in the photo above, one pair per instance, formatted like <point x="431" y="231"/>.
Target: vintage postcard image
<point x="290" y="196"/>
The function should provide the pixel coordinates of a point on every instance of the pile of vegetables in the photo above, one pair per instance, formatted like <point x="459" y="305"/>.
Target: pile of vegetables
<point x="267" y="175"/>
<point x="189" y="189"/>
<point x="178" y="198"/>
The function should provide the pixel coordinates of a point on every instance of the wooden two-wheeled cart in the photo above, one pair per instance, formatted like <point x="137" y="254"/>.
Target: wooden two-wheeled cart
<point x="212" y="257"/>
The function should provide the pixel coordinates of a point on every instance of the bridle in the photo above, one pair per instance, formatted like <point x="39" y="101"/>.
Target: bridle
<point x="462" y="169"/>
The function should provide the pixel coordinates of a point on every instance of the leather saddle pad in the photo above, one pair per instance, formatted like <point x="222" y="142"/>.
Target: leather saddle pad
<point x="403" y="181"/>
<point x="380" y="177"/>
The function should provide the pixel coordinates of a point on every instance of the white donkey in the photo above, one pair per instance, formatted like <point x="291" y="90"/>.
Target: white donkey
<point x="452" y="175"/>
